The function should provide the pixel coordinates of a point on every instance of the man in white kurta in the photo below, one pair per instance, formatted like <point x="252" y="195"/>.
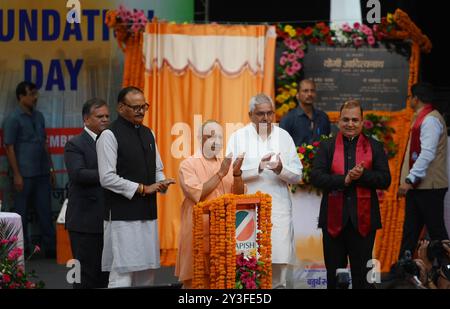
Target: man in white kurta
<point x="270" y="164"/>
<point x="131" y="171"/>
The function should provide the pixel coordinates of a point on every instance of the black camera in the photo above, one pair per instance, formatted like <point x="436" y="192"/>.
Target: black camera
<point x="439" y="258"/>
<point x="437" y="252"/>
<point x="406" y="266"/>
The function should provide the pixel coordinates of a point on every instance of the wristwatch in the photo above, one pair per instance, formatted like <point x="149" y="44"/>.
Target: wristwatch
<point x="408" y="181"/>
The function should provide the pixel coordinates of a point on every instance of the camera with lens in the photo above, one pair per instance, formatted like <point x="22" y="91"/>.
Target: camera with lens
<point x="439" y="258"/>
<point x="406" y="266"/>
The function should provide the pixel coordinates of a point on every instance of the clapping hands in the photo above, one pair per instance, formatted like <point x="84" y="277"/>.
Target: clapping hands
<point x="275" y="166"/>
<point x="355" y="173"/>
<point x="226" y="163"/>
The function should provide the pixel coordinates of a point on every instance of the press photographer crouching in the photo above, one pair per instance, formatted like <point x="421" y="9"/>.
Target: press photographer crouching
<point x="435" y="256"/>
<point x="430" y="271"/>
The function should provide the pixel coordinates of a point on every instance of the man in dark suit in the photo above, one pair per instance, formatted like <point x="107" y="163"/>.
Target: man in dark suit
<point x="349" y="168"/>
<point x="84" y="216"/>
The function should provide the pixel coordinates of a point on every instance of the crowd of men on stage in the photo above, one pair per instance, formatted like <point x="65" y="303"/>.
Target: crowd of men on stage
<point x="115" y="173"/>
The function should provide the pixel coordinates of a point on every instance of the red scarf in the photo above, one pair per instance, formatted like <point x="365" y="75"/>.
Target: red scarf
<point x="336" y="198"/>
<point x="415" y="148"/>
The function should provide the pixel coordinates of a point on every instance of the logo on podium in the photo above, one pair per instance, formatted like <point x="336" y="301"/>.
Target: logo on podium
<point x="245" y="231"/>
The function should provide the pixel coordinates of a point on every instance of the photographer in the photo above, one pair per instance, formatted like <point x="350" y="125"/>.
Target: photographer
<point x="434" y="261"/>
<point x="408" y="273"/>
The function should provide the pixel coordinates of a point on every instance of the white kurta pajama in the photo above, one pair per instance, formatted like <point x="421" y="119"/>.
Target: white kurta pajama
<point x="129" y="246"/>
<point x="279" y="141"/>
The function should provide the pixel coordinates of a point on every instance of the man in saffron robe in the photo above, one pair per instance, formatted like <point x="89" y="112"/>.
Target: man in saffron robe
<point x="349" y="168"/>
<point x="203" y="176"/>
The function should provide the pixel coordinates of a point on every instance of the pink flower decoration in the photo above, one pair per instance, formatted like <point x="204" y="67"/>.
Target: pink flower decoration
<point x="14" y="254"/>
<point x="290" y="71"/>
<point x="122" y="13"/>
<point x="358" y="42"/>
<point x="300" y="53"/>
<point x="356" y="25"/>
<point x="283" y="60"/>
<point x="368" y="124"/>
<point x="135" y="27"/>
<point x="294" y="45"/>
<point x="296" y="66"/>
<point x="287" y="42"/>
<point x="30" y="285"/>
<point x="292" y="57"/>
<point x="346" y="28"/>
<point x="366" y="30"/>
<point x="371" y="40"/>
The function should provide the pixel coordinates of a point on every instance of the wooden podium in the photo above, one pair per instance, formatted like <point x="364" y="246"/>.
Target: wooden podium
<point x="222" y="229"/>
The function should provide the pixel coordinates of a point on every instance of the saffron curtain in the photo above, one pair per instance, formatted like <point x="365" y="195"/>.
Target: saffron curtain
<point x="194" y="73"/>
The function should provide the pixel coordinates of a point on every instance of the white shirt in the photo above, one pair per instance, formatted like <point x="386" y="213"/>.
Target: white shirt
<point x="279" y="141"/>
<point x="91" y="134"/>
<point x="430" y="132"/>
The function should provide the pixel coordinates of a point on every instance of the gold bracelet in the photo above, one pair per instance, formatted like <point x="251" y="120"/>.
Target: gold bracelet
<point x="143" y="190"/>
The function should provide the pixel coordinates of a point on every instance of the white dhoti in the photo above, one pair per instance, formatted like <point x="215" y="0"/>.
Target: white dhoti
<point x="130" y="247"/>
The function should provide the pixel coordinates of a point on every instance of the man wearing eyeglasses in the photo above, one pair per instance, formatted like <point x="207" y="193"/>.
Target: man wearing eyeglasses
<point x="131" y="172"/>
<point x="270" y="163"/>
<point x="25" y="141"/>
<point x="349" y="168"/>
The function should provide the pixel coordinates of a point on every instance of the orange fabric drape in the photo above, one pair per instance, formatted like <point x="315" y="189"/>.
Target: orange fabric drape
<point x="176" y="98"/>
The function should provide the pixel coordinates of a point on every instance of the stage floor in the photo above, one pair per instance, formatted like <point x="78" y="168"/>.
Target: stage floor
<point x="54" y="275"/>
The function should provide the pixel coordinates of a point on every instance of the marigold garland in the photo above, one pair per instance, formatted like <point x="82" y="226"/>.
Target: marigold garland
<point x="222" y="216"/>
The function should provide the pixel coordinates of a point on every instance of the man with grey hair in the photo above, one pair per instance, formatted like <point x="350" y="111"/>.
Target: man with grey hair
<point x="270" y="163"/>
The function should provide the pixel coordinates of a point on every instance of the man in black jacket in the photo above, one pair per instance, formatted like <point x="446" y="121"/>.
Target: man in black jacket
<point x="84" y="216"/>
<point x="349" y="169"/>
<point x="131" y="172"/>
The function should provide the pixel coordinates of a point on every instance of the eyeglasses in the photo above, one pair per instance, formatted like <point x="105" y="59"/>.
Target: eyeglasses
<point x="137" y="108"/>
<point x="262" y="114"/>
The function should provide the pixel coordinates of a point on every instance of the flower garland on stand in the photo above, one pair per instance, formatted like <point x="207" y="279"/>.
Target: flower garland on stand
<point x="126" y="23"/>
<point x="222" y="213"/>
<point x="128" y="26"/>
